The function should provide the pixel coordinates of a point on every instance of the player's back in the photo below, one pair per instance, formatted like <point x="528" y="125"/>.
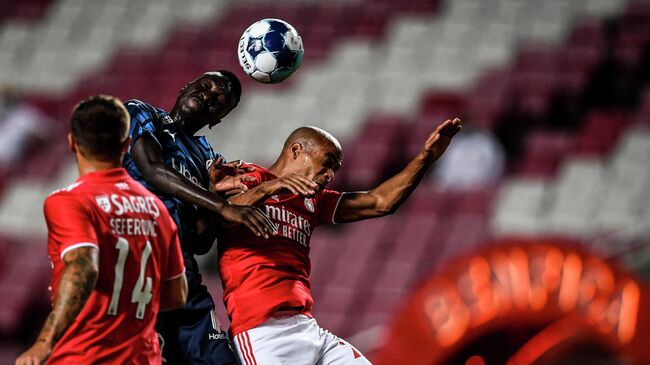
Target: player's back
<point x="135" y="237"/>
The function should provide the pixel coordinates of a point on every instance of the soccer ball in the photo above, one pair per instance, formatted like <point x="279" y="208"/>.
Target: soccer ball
<point x="270" y="50"/>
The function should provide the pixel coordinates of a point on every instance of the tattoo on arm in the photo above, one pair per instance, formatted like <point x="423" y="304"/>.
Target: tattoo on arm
<point x="77" y="282"/>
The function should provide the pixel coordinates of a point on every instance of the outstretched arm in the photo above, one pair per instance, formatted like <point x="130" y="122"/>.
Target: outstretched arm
<point x="77" y="282"/>
<point x="148" y="156"/>
<point x="389" y="195"/>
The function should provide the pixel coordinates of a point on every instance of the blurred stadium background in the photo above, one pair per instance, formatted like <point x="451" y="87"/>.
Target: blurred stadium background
<point x="554" y="92"/>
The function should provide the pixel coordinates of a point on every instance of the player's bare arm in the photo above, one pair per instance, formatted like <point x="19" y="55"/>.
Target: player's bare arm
<point x="388" y="196"/>
<point x="207" y="228"/>
<point x="291" y="183"/>
<point x="173" y="293"/>
<point x="149" y="159"/>
<point x="77" y="282"/>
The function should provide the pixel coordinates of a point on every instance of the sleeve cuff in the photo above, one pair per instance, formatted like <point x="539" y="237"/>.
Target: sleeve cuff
<point x="336" y="207"/>
<point x="77" y="245"/>
<point x="176" y="276"/>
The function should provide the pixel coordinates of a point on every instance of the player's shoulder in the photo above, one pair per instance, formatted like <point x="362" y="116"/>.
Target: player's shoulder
<point x="70" y="193"/>
<point x="261" y="172"/>
<point x="139" y="189"/>
<point x="203" y="142"/>
<point x="257" y="167"/>
<point x="70" y="190"/>
<point x="138" y="108"/>
<point x="328" y="192"/>
<point x="137" y="104"/>
<point x="327" y="195"/>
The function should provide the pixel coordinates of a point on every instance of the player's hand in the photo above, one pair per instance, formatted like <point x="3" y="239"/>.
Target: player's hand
<point x="294" y="183"/>
<point x="251" y="217"/>
<point x="439" y="140"/>
<point x="37" y="354"/>
<point x="228" y="176"/>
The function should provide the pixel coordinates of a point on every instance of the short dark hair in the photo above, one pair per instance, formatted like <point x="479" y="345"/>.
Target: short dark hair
<point x="99" y="125"/>
<point x="234" y="81"/>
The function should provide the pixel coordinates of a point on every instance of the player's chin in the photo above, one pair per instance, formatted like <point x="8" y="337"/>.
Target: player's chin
<point x="191" y="106"/>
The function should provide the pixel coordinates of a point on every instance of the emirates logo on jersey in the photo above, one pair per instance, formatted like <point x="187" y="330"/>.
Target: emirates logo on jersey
<point x="103" y="202"/>
<point x="309" y="204"/>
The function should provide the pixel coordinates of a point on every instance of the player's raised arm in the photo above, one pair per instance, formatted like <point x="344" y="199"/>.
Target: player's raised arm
<point x="389" y="195"/>
<point x="148" y="156"/>
<point x="77" y="282"/>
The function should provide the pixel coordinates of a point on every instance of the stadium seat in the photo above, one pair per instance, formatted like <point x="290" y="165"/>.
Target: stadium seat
<point x="519" y="206"/>
<point x="600" y="132"/>
<point x="544" y="150"/>
<point x="574" y="195"/>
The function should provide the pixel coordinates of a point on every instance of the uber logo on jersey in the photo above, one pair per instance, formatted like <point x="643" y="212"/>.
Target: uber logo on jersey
<point x="183" y="170"/>
<point x="103" y="202"/>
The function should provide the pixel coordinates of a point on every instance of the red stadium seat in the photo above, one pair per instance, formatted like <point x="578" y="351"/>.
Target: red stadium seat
<point x="600" y="132"/>
<point x="466" y="232"/>
<point x="587" y="33"/>
<point x="483" y="107"/>
<point x="537" y="58"/>
<point x="382" y="302"/>
<point x="543" y="153"/>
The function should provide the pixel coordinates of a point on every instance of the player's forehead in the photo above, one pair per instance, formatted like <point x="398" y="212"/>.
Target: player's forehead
<point x="213" y="79"/>
<point x="330" y="153"/>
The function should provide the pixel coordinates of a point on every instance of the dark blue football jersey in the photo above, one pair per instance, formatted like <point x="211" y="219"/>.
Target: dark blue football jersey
<point x="190" y="155"/>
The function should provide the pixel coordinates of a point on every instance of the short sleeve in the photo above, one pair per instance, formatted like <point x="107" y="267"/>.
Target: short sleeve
<point x="327" y="202"/>
<point x="143" y="121"/>
<point x="69" y="223"/>
<point x="175" y="265"/>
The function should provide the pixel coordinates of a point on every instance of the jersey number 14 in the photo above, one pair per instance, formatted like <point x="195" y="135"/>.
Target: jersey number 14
<point x="141" y="293"/>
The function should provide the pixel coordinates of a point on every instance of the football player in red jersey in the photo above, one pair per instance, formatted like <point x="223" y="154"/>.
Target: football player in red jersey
<point x="266" y="282"/>
<point x="116" y="258"/>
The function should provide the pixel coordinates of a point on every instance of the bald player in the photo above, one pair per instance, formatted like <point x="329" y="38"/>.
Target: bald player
<point x="266" y="281"/>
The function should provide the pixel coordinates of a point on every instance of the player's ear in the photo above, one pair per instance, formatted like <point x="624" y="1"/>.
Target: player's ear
<point x="295" y="150"/>
<point x="126" y="144"/>
<point x="71" y="143"/>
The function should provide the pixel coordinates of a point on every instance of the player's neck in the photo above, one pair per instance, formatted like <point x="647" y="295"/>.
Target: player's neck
<point x="184" y="124"/>
<point x="86" y="166"/>
<point x="278" y="168"/>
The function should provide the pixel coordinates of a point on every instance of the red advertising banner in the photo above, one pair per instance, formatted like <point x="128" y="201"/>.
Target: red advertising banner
<point x="570" y="295"/>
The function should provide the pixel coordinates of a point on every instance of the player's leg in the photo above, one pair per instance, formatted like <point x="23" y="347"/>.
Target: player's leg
<point x="278" y="341"/>
<point x="336" y="351"/>
<point x="198" y="337"/>
<point x="168" y="338"/>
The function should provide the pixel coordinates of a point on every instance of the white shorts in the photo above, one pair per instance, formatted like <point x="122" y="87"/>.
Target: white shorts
<point x="294" y="340"/>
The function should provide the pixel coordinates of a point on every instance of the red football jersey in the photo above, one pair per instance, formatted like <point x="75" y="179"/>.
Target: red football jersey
<point x="138" y="248"/>
<point x="259" y="275"/>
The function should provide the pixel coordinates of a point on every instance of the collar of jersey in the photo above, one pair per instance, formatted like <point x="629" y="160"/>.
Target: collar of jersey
<point x="117" y="173"/>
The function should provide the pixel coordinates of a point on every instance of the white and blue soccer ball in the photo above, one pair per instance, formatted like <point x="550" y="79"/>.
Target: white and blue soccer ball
<point x="270" y="50"/>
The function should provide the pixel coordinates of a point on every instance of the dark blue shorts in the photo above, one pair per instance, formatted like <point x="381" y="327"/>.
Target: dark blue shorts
<point x="192" y="335"/>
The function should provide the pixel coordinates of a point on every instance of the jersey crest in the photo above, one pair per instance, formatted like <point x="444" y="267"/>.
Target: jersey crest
<point x="103" y="202"/>
<point x="309" y="204"/>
